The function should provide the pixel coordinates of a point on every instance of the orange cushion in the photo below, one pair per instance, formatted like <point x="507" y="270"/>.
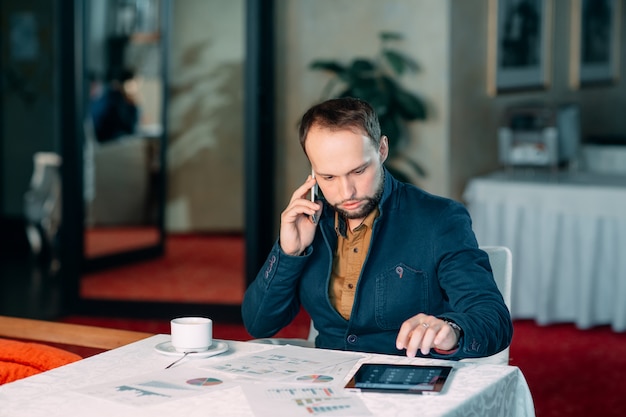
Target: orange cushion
<point x="21" y="359"/>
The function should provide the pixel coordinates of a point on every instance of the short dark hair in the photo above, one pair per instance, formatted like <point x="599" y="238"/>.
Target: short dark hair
<point x="121" y="75"/>
<point x="342" y="113"/>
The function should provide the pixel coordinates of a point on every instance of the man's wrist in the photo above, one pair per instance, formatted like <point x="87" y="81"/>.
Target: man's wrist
<point x="458" y="332"/>
<point x="456" y="328"/>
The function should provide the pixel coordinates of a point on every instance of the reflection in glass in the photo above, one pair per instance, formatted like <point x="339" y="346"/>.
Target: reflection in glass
<point x="123" y="126"/>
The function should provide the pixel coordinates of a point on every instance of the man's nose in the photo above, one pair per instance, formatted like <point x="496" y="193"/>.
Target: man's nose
<point x="347" y="189"/>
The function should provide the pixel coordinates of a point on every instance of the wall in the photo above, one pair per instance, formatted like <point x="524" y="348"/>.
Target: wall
<point x="205" y="155"/>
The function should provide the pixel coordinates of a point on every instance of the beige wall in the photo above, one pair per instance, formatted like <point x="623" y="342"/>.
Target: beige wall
<point x="205" y="155"/>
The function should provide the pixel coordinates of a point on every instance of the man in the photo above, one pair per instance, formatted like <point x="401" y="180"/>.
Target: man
<point x="115" y="112"/>
<point x="379" y="265"/>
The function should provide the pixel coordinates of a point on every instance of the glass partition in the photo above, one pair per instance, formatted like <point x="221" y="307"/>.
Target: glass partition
<point x="125" y="75"/>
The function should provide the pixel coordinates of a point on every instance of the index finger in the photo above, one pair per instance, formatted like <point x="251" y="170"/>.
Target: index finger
<point x="404" y="335"/>
<point x="304" y="189"/>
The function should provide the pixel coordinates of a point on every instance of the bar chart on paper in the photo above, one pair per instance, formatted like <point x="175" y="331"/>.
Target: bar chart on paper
<point x="303" y="401"/>
<point x="315" y="378"/>
<point x="291" y="393"/>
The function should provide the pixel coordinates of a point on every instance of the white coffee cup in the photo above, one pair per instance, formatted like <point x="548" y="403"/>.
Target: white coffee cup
<point x="191" y="334"/>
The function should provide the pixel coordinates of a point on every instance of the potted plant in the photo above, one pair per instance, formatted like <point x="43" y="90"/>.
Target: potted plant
<point x="376" y="81"/>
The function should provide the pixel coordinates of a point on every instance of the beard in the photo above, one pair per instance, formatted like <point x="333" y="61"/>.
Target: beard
<point x="368" y="207"/>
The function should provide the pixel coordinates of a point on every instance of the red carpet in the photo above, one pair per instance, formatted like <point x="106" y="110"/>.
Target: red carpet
<point x="106" y="240"/>
<point x="195" y="269"/>
<point x="570" y="372"/>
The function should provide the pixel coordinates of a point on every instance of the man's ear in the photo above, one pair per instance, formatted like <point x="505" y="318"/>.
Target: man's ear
<point x="383" y="149"/>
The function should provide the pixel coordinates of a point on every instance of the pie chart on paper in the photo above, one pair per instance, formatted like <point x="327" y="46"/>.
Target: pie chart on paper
<point x="204" y="382"/>
<point x="315" y="378"/>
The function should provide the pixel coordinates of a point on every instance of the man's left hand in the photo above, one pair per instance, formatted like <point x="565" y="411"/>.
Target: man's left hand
<point x="423" y="332"/>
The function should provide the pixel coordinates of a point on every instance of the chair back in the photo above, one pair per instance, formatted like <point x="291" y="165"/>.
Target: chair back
<point x="312" y="333"/>
<point x="501" y="261"/>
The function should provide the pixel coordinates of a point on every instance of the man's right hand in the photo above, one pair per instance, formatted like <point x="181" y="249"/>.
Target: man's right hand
<point x="297" y="228"/>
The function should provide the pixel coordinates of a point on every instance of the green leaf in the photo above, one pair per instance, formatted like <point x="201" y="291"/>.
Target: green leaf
<point x="390" y="127"/>
<point x="399" y="61"/>
<point x="390" y="36"/>
<point x="367" y="89"/>
<point x="361" y="68"/>
<point x="409" y="106"/>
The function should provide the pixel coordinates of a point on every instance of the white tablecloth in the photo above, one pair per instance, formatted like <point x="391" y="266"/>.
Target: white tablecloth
<point x="475" y="389"/>
<point x="567" y="233"/>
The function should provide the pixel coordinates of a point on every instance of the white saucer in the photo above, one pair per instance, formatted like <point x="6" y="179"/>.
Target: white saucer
<point x="216" y="348"/>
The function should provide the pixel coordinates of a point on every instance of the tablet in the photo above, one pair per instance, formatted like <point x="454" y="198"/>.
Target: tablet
<point x="408" y="379"/>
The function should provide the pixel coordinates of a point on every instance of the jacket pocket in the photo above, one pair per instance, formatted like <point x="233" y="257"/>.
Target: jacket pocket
<point x="401" y="293"/>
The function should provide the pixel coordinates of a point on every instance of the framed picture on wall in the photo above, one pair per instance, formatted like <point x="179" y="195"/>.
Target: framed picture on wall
<point x="519" y="45"/>
<point x="594" y="53"/>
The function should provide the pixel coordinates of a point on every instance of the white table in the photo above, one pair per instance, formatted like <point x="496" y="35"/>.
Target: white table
<point x="474" y="390"/>
<point x="567" y="233"/>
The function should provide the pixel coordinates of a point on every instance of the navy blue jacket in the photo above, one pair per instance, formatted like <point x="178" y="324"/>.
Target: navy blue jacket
<point x="423" y="258"/>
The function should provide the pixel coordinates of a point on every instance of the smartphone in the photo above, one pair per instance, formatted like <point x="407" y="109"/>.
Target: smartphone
<point x="314" y="189"/>
<point x="313" y="196"/>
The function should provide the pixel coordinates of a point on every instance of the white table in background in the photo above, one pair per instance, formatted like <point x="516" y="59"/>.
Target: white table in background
<point x="474" y="390"/>
<point x="567" y="233"/>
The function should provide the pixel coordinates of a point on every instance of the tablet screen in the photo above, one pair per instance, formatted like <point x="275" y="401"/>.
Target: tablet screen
<point x="414" y="379"/>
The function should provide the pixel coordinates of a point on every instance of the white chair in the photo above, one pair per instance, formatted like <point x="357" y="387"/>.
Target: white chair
<point x="501" y="261"/>
<point x="120" y="167"/>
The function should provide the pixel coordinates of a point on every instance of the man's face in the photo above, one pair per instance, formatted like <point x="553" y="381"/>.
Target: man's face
<point x="348" y="169"/>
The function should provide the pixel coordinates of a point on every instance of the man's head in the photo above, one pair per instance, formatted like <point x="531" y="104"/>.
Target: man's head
<point x="342" y="113"/>
<point x="343" y="141"/>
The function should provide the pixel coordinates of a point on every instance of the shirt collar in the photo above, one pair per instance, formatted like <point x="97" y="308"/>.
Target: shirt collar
<point x="341" y="225"/>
